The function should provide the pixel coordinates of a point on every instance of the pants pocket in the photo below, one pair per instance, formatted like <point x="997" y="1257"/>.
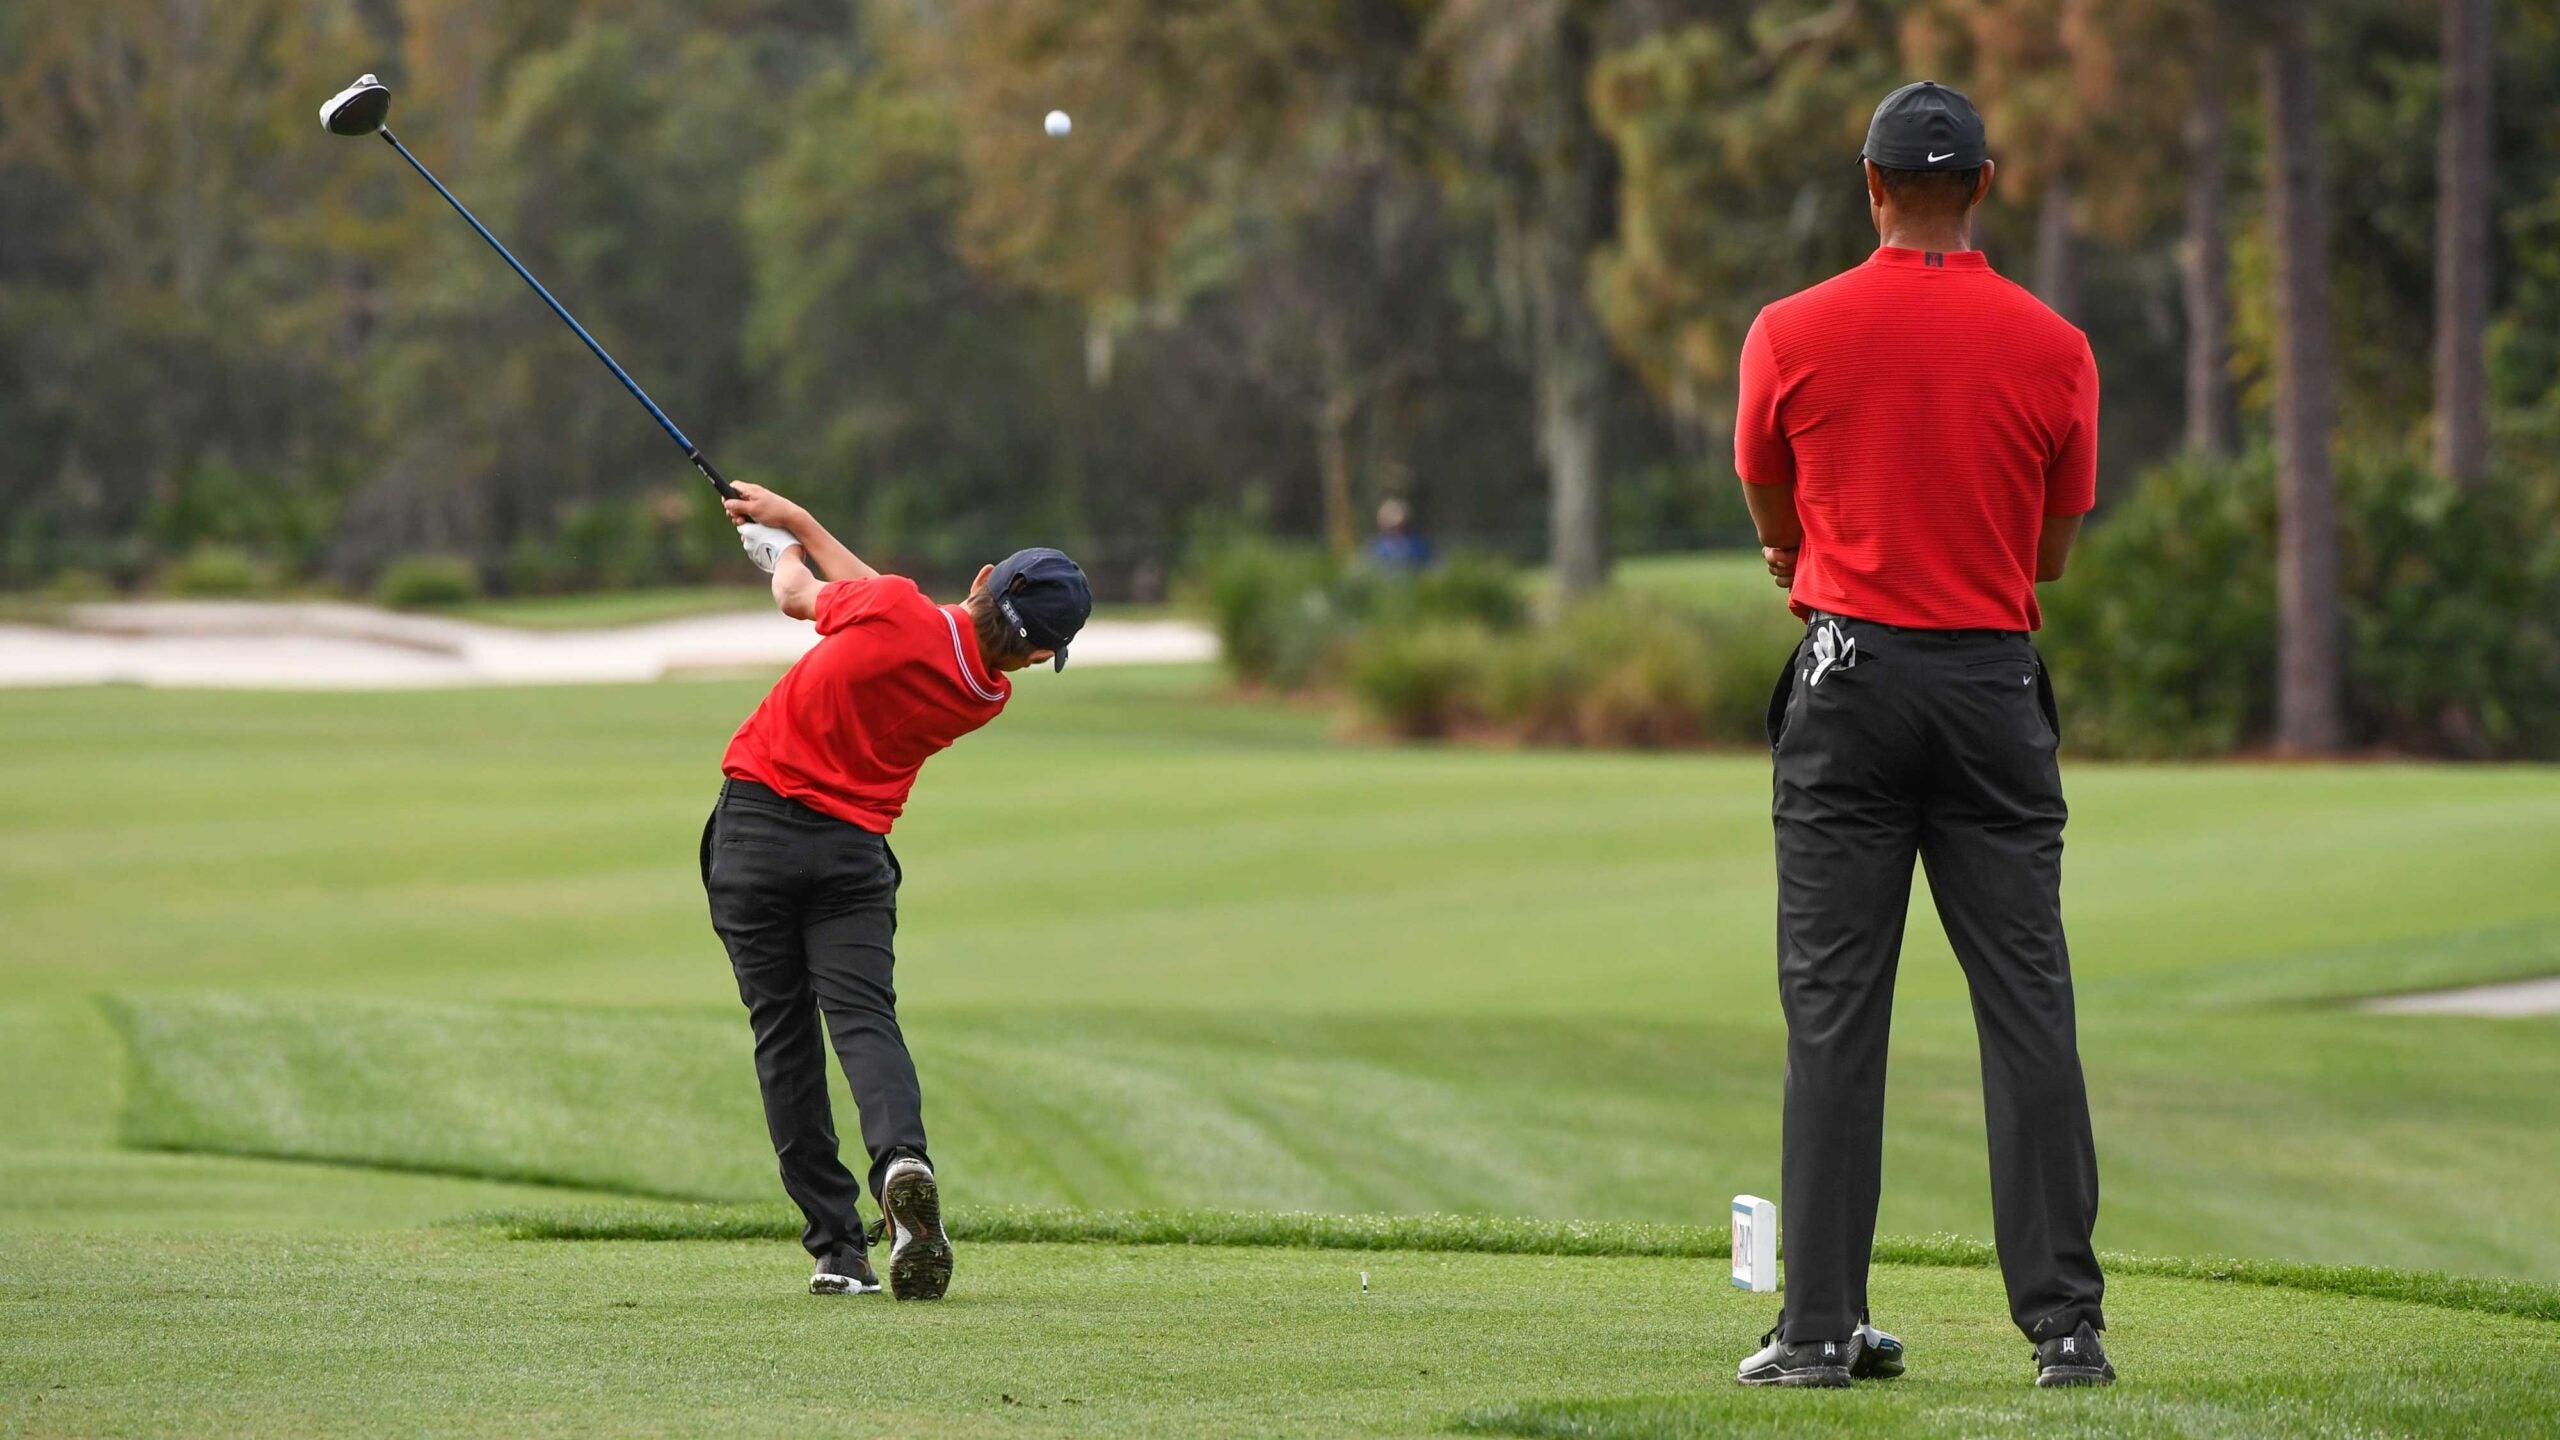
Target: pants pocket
<point x="2045" y="701"/>
<point x="1779" y="697"/>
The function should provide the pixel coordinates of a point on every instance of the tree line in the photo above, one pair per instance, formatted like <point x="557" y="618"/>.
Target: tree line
<point x="1494" y="256"/>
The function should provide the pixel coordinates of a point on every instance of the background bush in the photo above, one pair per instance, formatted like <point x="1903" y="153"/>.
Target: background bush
<point x="1621" y="669"/>
<point x="2163" y="639"/>
<point x="427" y="582"/>
<point x="1276" y="612"/>
<point x="215" y="572"/>
<point x="1424" y="681"/>
<point x="1632" y="669"/>
<point x="1287" y="616"/>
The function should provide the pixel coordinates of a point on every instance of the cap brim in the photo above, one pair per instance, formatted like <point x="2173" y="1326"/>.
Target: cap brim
<point x="1059" y="661"/>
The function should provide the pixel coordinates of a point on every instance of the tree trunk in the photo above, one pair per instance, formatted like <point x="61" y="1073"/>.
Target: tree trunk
<point x="2462" y="244"/>
<point x="1572" y="386"/>
<point x="1567" y="222"/>
<point x="2057" y="250"/>
<point x="2307" y="666"/>
<point x="1334" y="415"/>
<point x="2204" y="253"/>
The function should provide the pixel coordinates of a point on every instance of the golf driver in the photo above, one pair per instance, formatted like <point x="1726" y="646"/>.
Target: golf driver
<point x="360" y="110"/>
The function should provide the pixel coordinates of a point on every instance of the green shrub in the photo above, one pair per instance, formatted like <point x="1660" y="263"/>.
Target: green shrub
<point x="1288" y="617"/>
<point x="2163" y="638"/>
<point x="79" y="586"/>
<point x="1612" y="670"/>
<point x="1618" y="669"/>
<point x="214" y="572"/>
<point x="1274" y="609"/>
<point x="1424" y="682"/>
<point x="2453" y="614"/>
<point x="1745" y="651"/>
<point x="1450" y="651"/>
<point x="535" y="566"/>
<point x="1632" y="670"/>
<point x="1471" y="587"/>
<point x="427" y="582"/>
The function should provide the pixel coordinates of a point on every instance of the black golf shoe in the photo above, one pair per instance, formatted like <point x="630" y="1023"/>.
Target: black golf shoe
<point x="911" y="1212"/>
<point x="1821" y="1364"/>
<point x="2075" y="1359"/>
<point x="847" y="1272"/>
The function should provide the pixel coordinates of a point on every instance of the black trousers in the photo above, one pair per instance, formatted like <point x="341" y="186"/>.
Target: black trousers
<point x="1890" y="744"/>
<point x="808" y="908"/>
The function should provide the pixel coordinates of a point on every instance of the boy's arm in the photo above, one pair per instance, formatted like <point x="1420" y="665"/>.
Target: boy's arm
<point x="764" y="507"/>
<point x="795" y="590"/>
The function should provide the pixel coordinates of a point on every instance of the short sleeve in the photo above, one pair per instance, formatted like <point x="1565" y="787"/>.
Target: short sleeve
<point x="850" y="602"/>
<point x="1761" y="455"/>
<point x="2071" y="484"/>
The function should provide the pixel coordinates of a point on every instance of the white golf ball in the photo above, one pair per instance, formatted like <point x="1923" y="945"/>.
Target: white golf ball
<point x="1058" y="124"/>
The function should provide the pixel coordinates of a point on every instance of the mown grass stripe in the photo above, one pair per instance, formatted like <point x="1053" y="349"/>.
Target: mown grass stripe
<point x="1495" y="1235"/>
<point x="1487" y="1235"/>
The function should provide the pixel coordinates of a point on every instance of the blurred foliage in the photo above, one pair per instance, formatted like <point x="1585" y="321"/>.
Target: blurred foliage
<point x="1287" y="616"/>
<point x="2162" y="639"/>
<point x="1624" y="668"/>
<point x="1423" y="682"/>
<point x="1275" y="610"/>
<point x="216" y="572"/>
<point x="427" y="582"/>
<point x="1296" y="259"/>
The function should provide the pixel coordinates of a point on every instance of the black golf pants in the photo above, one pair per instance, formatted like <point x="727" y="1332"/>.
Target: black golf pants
<point x="808" y="908"/>
<point x="1895" y="744"/>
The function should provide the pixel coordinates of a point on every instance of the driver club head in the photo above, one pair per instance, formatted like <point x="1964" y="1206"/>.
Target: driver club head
<point x="357" y="110"/>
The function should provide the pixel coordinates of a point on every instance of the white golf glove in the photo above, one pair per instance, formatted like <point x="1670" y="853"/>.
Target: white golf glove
<point x="765" y="544"/>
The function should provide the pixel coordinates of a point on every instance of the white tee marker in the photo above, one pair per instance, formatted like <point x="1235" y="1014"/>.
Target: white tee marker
<point x="1755" y="1244"/>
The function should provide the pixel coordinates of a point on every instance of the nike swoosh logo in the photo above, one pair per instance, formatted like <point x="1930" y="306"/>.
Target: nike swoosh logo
<point x="1934" y="159"/>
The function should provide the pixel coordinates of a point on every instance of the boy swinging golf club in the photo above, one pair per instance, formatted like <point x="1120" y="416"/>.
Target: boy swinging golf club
<point x="803" y="884"/>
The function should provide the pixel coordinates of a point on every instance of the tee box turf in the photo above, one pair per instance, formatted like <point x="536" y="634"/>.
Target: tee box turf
<point x="1755" y="1244"/>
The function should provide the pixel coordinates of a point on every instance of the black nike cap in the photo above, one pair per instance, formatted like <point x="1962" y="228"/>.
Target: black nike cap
<point x="1043" y="596"/>
<point x="1926" y="126"/>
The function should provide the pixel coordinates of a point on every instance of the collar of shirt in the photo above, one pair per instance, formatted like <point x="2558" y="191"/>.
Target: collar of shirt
<point x="1895" y="255"/>
<point x="991" y="688"/>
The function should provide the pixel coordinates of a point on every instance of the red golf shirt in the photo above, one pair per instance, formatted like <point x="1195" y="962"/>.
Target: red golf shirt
<point x="1930" y="414"/>
<point x="893" y="679"/>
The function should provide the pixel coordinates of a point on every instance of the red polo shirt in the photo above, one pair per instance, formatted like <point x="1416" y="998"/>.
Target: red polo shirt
<point x="893" y="679"/>
<point x="1930" y="415"/>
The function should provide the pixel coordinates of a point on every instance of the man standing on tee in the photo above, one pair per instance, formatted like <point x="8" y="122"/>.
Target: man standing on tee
<point x="803" y="884"/>
<point x="1918" y="441"/>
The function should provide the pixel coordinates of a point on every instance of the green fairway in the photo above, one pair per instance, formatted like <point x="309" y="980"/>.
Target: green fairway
<point x="426" y="1333"/>
<point x="452" y="946"/>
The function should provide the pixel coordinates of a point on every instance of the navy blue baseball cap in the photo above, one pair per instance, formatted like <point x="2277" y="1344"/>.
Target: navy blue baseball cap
<point x="1043" y="595"/>
<point x="1926" y="126"/>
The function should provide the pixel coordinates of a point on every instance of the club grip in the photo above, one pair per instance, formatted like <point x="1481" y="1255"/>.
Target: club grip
<point x="711" y="473"/>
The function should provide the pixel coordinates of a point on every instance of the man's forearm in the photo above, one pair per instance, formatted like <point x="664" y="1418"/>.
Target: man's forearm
<point x="825" y="551"/>
<point x="2053" y="546"/>
<point x="1773" y="514"/>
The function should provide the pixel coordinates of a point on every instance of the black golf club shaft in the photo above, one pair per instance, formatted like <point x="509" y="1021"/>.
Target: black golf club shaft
<point x="691" y="451"/>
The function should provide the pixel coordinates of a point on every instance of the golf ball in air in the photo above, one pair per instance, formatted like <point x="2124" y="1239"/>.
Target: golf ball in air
<point x="1058" y="124"/>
